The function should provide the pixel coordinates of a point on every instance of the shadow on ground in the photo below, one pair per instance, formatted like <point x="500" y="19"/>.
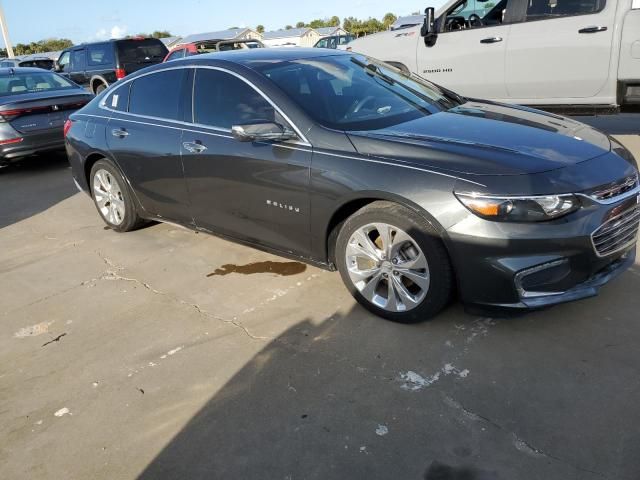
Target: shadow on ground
<point x="34" y="185"/>
<point x="550" y="395"/>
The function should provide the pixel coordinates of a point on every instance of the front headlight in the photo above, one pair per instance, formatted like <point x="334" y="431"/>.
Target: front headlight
<point x="519" y="209"/>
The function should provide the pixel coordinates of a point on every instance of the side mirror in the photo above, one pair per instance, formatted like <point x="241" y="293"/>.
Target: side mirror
<point x="261" y="132"/>
<point x="428" y="30"/>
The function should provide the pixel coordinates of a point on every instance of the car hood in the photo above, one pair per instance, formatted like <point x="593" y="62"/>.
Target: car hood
<point x="484" y="138"/>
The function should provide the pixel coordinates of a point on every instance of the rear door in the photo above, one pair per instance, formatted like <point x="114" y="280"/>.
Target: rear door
<point x="562" y="50"/>
<point x="78" y="68"/>
<point x="249" y="190"/>
<point x="145" y="140"/>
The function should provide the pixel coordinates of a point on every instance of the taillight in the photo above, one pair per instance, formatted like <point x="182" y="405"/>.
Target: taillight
<point x="120" y="73"/>
<point x="67" y="127"/>
<point x="11" y="140"/>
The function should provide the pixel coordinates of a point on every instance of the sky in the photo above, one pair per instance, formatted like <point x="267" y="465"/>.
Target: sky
<point x="85" y="21"/>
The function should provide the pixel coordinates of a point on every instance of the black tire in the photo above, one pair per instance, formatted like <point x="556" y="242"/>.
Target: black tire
<point x="130" y="219"/>
<point x="426" y="237"/>
<point x="100" y="88"/>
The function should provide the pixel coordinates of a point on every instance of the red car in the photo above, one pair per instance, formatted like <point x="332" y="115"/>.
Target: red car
<point x="208" y="46"/>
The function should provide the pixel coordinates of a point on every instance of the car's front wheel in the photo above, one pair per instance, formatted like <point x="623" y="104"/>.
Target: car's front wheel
<point x="113" y="197"/>
<point x="394" y="263"/>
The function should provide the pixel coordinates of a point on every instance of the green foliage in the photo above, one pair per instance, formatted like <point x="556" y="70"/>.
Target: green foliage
<point x="47" y="45"/>
<point x="161" y="34"/>
<point x="388" y="20"/>
<point x="489" y="5"/>
<point x="300" y="25"/>
<point x="260" y="29"/>
<point x="288" y="27"/>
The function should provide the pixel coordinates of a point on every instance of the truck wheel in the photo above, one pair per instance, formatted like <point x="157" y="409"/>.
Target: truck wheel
<point x="100" y="88"/>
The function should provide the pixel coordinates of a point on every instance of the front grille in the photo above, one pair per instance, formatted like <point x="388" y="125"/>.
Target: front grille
<point x="612" y="190"/>
<point x="617" y="233"/>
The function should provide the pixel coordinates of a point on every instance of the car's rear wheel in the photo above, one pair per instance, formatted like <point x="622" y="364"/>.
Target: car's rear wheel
<point x="394" y="263"/>
<point x="112" y="197"/>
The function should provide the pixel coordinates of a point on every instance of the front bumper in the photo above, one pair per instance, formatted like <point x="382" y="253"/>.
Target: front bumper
<point x="534" y="265"/>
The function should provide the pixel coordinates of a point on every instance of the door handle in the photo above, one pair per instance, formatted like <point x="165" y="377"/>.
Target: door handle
<point x="119" y="132"/>
<point x="194" y="147"/>
<point x="593" y="29"/>
<point x="491" y="40"/>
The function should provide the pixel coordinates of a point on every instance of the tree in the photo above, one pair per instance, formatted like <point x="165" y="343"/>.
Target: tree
<point x="300" y="25"/>
<point x="288" y="27"/>
<point x="161" y="34"/>
<point x="388" y="20"/>
<point x="334" y="22"/>
<point x="489" y="5"/>
<point x="46" y="45"/>
<point x="260" y="29"/>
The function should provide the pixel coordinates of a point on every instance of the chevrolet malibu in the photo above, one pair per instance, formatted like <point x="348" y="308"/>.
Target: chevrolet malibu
<point x="411" y="191"/>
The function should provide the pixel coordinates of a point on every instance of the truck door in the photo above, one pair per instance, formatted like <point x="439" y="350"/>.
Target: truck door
<point x="562" y="50"/>
<point x="468" y="56"/>
<point x="78" y="72"/>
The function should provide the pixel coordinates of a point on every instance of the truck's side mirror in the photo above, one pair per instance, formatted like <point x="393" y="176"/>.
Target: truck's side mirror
<point x="428" y="30"/>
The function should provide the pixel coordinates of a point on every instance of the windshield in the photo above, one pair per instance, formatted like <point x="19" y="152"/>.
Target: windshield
<point x="21" y="83"/>
<point x="141" y="51"/>
<point x="353" y="92"/>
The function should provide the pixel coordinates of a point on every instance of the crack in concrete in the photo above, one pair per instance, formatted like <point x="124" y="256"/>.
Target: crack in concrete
<point x="519" y="443"/>
<point x="114" y="275"/>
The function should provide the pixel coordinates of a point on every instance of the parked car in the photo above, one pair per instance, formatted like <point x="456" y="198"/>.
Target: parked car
<point x="333" y="41"/>
<point x="44" y="63"/>
<point x="209" y="46"/>
<point x="34" y="104"/>
<point x="336" y="159"/>
<point x="551" y="53"/>
<point x="98" y="65"/>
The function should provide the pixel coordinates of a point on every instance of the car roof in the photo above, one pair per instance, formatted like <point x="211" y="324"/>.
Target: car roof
<point x="257" y="56"/>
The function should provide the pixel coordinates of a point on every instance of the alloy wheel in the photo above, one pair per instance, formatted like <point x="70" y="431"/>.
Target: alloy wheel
<point x="387" y="267"/>
<point x="109" y="197"/>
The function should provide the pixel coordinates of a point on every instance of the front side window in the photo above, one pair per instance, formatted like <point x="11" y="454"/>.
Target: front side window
<point x="222" y="101"/>
<point x="63" y="61"/>
<point x="346" y="92"/>
<point x="542" y="9"/>
<point x="157" y="95"/>
<point x="100" y="54"/>
<point x="21" y="83"/>
<point x="322" y="43"/>
<point x="468" y="14"/>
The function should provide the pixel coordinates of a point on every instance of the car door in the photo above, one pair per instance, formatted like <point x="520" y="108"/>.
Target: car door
<point x="63" y="64"/>
<point x="77" y="71"/>
<point x="468" y="57"/>
<point x="144" y="135"/>
<point x="257" y="192"/>
<point x="562" y="50"/>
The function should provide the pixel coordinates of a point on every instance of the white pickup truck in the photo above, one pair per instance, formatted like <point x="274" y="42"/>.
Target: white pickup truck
<point x="551" y="53"/>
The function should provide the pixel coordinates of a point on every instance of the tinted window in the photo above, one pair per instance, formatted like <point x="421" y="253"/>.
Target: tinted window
<point x="141" y="51"/>
<point x="119" y="98"/>
<point x="347" y="92"/>
<point x="21" y="83"/>
<point x="78" y="59"/>
<point x="537" y="9"/>
<point x="176" y="55"/>
<point x="222" y="100"/>
<point x="45" y="64"/>
<point x="63" y="61"/>
<point x="468" y="14"/>
<point x="8" y="64"/>
<point x="157" y="95"/>
<point x="100" y="54"/>
<point x="322" y="43"/>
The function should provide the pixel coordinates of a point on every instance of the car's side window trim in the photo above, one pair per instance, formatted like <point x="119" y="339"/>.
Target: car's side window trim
<point x="303" y="139"/>
<point x="558" y="17"/>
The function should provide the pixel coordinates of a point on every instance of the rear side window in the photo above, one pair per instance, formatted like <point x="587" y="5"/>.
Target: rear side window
<point x="100" y="54"/>
<point x="157" y="95"/>
<point x="541" y="9"/>
<point x="118" y="99"/>
<point x="141" y="51"/>
<point x="222" y="101"/>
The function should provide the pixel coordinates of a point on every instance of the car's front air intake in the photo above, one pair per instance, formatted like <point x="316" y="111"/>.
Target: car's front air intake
<point x="617" y="233"/>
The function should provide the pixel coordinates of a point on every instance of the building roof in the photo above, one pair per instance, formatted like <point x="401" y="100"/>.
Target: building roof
<point x="169" y="41"/>
<point x="219" y="35"/>
<point x="291" y="33"/>
<point x="328" y="31"/>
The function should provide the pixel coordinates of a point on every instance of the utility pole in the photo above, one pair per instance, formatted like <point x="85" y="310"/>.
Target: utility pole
<point x="5" y="33"/>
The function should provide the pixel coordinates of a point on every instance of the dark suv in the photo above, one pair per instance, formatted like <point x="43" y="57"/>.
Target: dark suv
<point x="98" y="65"/>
